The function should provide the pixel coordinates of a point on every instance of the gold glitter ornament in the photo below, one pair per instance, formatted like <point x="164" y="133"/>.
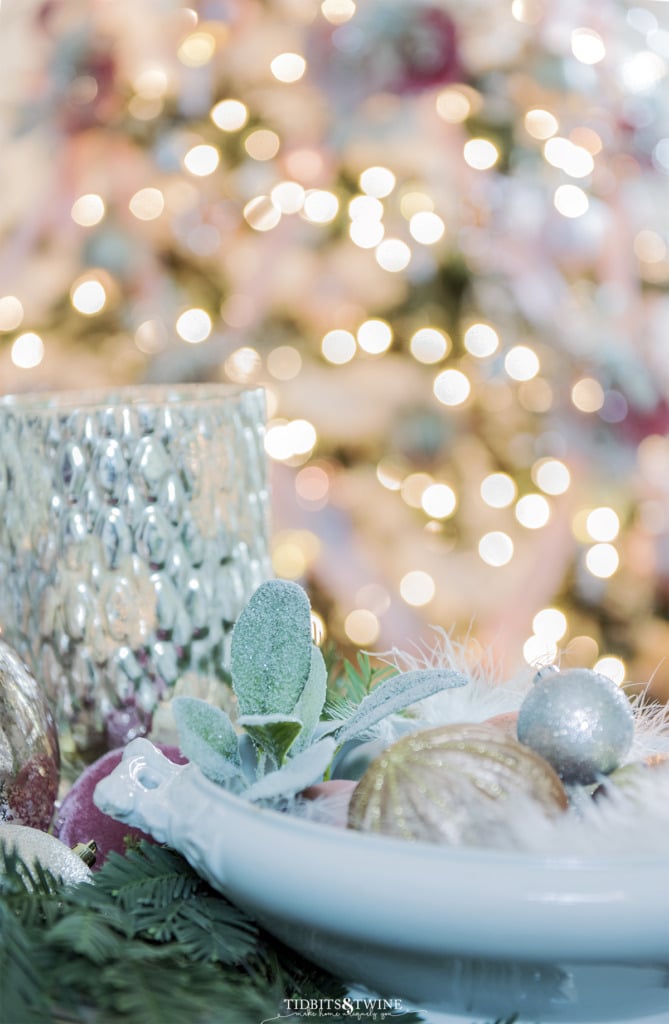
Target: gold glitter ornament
<point x="34" y="846"/>
<point x="455" y="784"/>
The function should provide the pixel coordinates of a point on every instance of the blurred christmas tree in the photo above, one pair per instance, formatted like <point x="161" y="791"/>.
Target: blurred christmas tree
<point x="434" y="231"/>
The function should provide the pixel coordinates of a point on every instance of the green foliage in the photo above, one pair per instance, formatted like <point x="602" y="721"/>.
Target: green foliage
<point x="271" y="649"/>
<point x="395" y="695"/>
<point x="357" y="681"/>
<point x="281" y="682"/>
<point x="273" y="735"/>
<point x="310" y="705"/>
<point x="208" y="737"/>
<point x="83" y="954"/>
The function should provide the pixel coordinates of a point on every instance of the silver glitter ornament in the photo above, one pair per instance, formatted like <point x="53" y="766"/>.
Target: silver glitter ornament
<point x="34" y="846"/>
<point x="579" y="721"/>
<point x="29" y="753"/>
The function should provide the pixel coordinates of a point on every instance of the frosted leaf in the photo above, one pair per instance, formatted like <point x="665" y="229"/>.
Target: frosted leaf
<point x="271" y="649"/>
<point x="207" y="738"/>
<point x="310" y="705"/>
<point x="396" y="694"/>
<point x="272" y="734"/>
<point x="301" y="771"/>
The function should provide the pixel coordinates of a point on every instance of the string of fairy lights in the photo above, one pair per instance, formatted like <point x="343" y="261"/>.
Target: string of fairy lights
<point x="398" y="222"/>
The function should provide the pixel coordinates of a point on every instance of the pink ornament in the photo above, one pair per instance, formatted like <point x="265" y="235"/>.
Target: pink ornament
<point x="79" y="820"/>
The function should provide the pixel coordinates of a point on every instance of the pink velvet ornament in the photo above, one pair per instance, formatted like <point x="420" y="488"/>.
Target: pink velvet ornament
<point x="79" y="820"/>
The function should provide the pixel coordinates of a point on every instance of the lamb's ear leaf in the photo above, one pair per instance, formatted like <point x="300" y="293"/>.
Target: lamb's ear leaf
<point x="396" y="694"/>
<point x="310" y="705"/>
<point x="273" y="735"/>
<point x="271" y="649"/>
<point x="207" y="738"/>
<point x="299" y="772"/>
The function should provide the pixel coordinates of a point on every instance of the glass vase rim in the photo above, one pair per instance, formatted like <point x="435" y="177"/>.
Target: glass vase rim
<point x="127" y="396"/>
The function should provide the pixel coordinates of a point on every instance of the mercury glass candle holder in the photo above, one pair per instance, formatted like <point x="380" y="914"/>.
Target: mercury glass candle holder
<point x="134" y="529"/>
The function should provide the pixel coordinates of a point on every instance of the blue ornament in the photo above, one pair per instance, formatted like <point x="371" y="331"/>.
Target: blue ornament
<point x="579" y="721"/>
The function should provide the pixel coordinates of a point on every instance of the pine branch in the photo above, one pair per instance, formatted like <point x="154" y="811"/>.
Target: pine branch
<point x="21" y="998"/>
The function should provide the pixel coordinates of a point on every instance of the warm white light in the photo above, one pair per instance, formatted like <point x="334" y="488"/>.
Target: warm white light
<point x="88" y="210"/>
<point x="453" y="105"/>
<point x="230" y="115"/>
<point x="302" y="436"/>
<point x="377" y="181"/>
<point x="571" y="201"/>
<point x="151" y="84"/>
<point x="151" y="337"/>
<point x="439" y="501"/>
<point x="338" y="347"/>
<point x="541" y="124"/>
<point x="602" y="560"/>
<point x="365" y="208"/>
<point x="11" y="313"/>
<point x="552" y="476"/>
<point x="286" y="439"/>
<point x="412" y="202"/>
<point x="362" y="627"/>
<point x="452" y="387"/>
<point x="27" y="351"/>
<point x="320" y="206"/>
<point x="284" y="362"/>
<point x="533" y="511"/>
<point x="481" y="340"/>
<point x="147" y="204"/>
<point x="202" y="160"/>
<point x="603" y="524"/>
<point x="197" y="49"/>
<point x="521" y="363"/>
<point x="288" y="196"/>
<point x="263" y="144"/>
<point x="417" y="588"/>
<point x="366" y="234"/>
<point x="338" y="11"/>
<point x="429" y="345"/>
<point x="611" y="667"/>
<point x="550" y="623"/>
<point x="288" y="67"/>
<point x="88" y="297"/>
<point x="194" y="326"/>
<point x="642" y="71"/>
<point x="649" y="246"/>
<point x="413" y="488"/>
<point x="496" y="548"/>
<point x="262" y="213"/>
<point x="480" y="154"/>
<point x="587" y="46"/>
<point x="374" y="336"/>
<point x="242" y="365"/>
<point x="587" y="395"/>
<point x="393" y="255"/>
<point x="574" y="160"/>
<point x="539" y="650"/>
<point x="498" y="490"/>
<point x="427" y="228"/>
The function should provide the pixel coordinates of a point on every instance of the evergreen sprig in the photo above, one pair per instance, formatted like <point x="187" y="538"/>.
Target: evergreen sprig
<point x="83" y="954"/>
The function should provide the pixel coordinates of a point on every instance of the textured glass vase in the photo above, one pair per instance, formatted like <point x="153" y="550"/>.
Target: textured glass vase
<point x="133" y="529"/>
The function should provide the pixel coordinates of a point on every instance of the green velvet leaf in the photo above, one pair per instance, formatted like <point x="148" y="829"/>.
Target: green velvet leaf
<point x="310" y="705"/>
<point x="396" y="694"/>
<point x="273" y="735"/>
<point x="207" y="737"/>
<point x="296" y="774"/>
<point x="271" y="649"/>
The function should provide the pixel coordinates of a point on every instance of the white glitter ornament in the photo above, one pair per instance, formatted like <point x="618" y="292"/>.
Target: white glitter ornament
<point x="32" y="846"/>
<point x="579" y="721"/>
